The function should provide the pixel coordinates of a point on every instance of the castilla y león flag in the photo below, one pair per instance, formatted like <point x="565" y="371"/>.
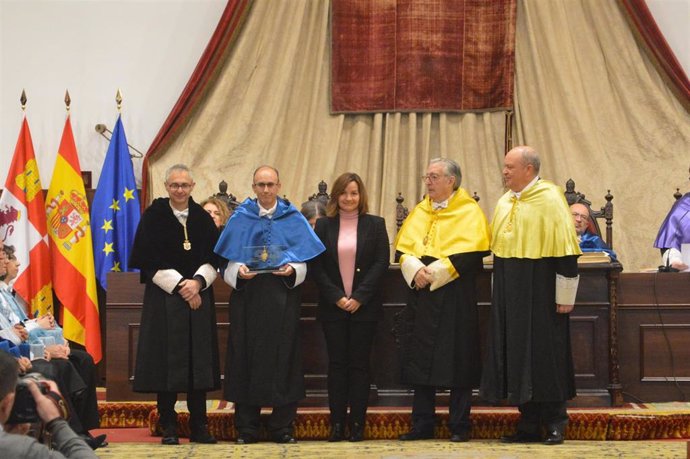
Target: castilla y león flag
<point x="71" y="248"/>
<point x="23" y="226"/>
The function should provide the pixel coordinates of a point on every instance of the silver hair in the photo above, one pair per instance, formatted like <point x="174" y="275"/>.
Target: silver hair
<point x="452" y="169"/>
<point x="178" y="168"/>
<point x="314" y="208"/>
<point x="530" y="156"/>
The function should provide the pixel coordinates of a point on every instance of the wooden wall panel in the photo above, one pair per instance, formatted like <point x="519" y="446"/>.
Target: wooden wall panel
<point x="653" y="315"/>
<point x="589" y="331"/>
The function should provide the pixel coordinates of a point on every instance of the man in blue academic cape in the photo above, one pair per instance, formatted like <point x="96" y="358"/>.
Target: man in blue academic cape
<point x="589" y="242"/>
<point x="266" y="242"/>
<point x="674" y="231"/>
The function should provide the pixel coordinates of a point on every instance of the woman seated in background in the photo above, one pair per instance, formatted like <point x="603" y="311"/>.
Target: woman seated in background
<point x="313" y="210"/>
<point x="349" y="275"/>
<point x="218" y="210"/>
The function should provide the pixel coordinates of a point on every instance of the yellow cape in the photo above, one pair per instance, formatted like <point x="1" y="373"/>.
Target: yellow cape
<point x="536" y="225"/>
<point x="459" y="228"/>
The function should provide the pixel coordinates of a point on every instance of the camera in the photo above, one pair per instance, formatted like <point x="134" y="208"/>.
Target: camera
<point x="24" y="408"/>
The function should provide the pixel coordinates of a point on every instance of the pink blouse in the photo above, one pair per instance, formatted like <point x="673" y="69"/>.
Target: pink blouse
<point x="347" y="248"/>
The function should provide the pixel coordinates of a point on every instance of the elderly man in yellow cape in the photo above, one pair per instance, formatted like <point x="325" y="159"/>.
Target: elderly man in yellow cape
<point x="442" y="243"/>
<point x="528" y="359"/>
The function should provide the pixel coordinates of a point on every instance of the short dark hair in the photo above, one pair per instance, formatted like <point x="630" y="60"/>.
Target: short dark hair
<point x="9" y="369"/>
<point x="9" y="250"/>
<point x="339" y="188"/>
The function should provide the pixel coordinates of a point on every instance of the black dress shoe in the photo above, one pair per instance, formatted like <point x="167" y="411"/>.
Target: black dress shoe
<point x="336" y="433"/>
<point x="95" y="442"/>
<point x="170" y="440"/>
<point x="554" y="437"/>
<point x="246" y="439"/>
<point x="203" y="437"/>
<point x="170" y="436"/>
<point x="416" y="435"/>
<point x="521" y="437"/>
<point x="285" y="438"/>
<point x="460" y="437"/>
<point x="357" y="432"/>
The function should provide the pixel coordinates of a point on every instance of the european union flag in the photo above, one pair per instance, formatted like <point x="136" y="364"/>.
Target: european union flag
<point x="115" y="210"/>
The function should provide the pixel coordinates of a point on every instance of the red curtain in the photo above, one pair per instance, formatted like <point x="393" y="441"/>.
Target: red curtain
<point x="422" y="55"/>
<point x="203" y="76"/>
<point x="646" y="29"/>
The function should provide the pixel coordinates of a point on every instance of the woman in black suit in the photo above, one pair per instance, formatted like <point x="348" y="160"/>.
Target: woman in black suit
<point x="349" y="277"/>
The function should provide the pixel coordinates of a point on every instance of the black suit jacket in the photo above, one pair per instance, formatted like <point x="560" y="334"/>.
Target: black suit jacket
<point x="371" y="262"/>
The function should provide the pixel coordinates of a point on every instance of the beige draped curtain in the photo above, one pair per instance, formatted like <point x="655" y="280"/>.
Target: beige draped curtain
<point x="586" y="96"/>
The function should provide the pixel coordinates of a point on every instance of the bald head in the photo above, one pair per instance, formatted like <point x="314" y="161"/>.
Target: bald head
<point x="520" y="166"/>
<point x="266" y="185"/>
<point x="580" y="217"/>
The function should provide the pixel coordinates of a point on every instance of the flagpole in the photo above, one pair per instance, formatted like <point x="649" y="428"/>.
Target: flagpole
<point x="118" y="100"/>
<point x="22" y="100"/>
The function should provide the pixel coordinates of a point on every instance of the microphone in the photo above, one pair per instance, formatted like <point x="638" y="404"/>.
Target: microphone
<point x="667" y="268"/>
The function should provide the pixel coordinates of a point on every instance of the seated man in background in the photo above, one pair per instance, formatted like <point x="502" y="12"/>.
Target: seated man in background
<point x="588" y="242"/>
<point x="14" y="442"/>
<point x="674" y="231"/>
<point x="313" y="210"/>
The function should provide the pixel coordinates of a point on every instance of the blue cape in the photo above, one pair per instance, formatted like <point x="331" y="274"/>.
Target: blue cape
<point x="592" y="243"/>
<point x="675" y="230"/>
<point x="287" y="237"/>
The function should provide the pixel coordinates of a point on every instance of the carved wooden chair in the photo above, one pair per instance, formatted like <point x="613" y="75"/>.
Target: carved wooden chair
<point x="604" y="213"/>
<point x="229" y="199"/>
<point x="321" y="195"/>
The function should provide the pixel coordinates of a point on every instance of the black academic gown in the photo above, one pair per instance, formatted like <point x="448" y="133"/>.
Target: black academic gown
<point x="440" y="341"/>
<point x="178" y="347"/>
<point x="264" y="358"/>
<point x="528" y="349"/>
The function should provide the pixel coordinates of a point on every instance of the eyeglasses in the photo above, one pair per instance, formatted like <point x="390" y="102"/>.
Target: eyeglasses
<point x="577" y="215"/>
<point x="269" y="185"/>
<point x="432" y="177"/>
<point x="180" y="186"/>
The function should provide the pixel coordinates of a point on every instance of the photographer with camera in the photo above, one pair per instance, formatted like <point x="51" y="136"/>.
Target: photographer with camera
<point x="47" y="399"/>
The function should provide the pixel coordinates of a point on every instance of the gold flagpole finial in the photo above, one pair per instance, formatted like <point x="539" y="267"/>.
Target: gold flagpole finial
<point x="68" y="101"/>
<point x="118" y="99"/>
<point x="22" y="99"/>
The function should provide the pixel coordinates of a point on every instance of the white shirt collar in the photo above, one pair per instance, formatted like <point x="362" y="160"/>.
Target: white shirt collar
<point x="267" y="212"/>
<point x="441" y="205"/>
<point x="181" y="215"/>
<point x="529" y="185"/>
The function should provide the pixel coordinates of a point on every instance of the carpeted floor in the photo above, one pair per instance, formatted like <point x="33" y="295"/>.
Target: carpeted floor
<point x="386" y="449"/>
<point x="635" y="422"/>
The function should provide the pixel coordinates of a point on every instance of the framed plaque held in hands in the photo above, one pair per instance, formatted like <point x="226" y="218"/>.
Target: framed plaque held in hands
<point x="264" y="258"/>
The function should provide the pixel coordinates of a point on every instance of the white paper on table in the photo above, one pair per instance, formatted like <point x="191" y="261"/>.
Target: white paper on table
<point x="685" y="254"/>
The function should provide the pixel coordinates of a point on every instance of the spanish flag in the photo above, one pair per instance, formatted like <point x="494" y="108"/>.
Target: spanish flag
<point x="71" y="248"/>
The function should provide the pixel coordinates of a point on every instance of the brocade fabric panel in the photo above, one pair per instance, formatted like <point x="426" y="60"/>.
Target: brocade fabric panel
<point x="422" y="55"/>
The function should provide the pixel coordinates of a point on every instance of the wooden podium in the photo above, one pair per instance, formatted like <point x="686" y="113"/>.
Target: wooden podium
<point x="593" y="330"/>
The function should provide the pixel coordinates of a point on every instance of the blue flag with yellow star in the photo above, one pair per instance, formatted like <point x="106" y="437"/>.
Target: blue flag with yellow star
<point x="115" y="210"/>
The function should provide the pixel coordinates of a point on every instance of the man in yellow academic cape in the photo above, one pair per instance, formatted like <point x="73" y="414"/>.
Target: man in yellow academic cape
<point x="529" y="360"/>
<point x="442" y="243"/>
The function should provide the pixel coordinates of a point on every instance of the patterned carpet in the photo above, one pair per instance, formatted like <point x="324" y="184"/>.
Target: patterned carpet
<point x="637" y="422"/>
<point x="385" y="449"/>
